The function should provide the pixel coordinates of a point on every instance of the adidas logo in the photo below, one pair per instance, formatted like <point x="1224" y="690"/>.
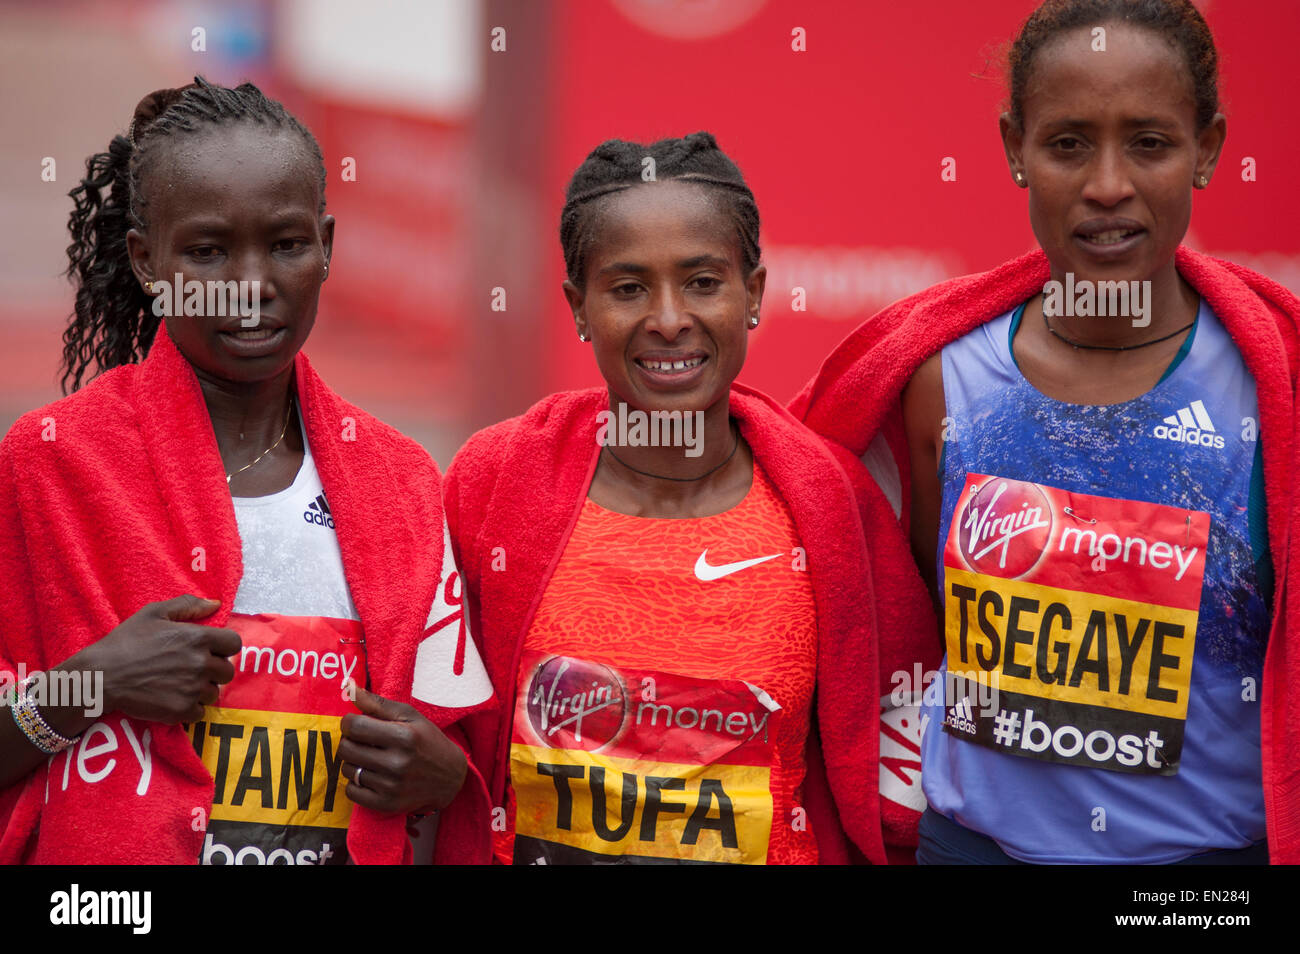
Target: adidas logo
<point x="318" y="512"/>
<point x="962" y="709"/>
<point x="961" y="717"/>
<point x="1190" y="425"/>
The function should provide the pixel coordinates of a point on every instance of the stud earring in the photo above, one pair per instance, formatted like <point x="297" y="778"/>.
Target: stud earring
<point x="581" y="336"/>
<point x="1204" y="182"/>
<point x="1020" y="178"/>
<point x="148" y="286"/>
<point x="753" y="321"/>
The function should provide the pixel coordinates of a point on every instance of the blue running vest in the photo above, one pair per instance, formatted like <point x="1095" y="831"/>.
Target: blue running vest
<point x="1106" y="581"/>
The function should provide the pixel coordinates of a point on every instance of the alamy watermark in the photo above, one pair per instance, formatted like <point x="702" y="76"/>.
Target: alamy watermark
<point x="210" y="299"/>
<point x="77" y="689"/>
<point x="1088" y="299"/>
<point x="75" y="906"/>
<point x="637" y="428"/>
<point x="910" y="687"/>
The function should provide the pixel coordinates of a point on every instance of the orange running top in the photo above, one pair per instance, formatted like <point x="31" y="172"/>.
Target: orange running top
<point x="725" y="597"/>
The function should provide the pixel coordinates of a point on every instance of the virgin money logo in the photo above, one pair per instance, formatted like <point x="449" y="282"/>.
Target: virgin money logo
<point x="1005" y="527"/>
<point x="575" y="704"/>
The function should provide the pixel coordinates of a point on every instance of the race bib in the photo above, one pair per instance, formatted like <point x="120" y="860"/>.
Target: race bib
<point x="635" y="766"/>
<point x="1070" y="624"/>
<point x="272" y="742"/>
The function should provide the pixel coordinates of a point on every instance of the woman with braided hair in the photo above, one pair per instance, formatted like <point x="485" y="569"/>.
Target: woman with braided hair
<point x="208" y="457"/>
<point x="1091" y="455"/>
<point x="667" y="573"/>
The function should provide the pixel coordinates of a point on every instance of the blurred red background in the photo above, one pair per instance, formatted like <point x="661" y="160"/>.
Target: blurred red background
<point x="462" y="153"/>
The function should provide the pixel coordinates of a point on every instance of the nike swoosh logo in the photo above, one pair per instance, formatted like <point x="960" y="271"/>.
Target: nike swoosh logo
<point x="706" y="572"/>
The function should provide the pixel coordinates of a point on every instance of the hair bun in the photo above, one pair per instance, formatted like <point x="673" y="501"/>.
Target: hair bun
<point x="149" y="108"/>
<point x="701" y="140"/>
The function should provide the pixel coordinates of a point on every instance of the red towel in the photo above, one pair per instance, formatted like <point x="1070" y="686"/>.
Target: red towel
<point x="105" y="499"/>
<point x="854" y="401"/>
<point x="520" y="486"/>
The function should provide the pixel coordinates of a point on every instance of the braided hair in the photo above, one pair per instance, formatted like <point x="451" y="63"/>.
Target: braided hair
<point x="615" y="166"/>
<point x="1178" y="21"/>
<point x="113" y="322"/>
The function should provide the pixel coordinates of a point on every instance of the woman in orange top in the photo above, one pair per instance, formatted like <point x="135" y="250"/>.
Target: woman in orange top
<point x="665" y="572"/>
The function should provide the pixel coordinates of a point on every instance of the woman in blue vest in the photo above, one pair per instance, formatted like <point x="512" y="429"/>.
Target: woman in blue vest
<point x="1099" y="450"/>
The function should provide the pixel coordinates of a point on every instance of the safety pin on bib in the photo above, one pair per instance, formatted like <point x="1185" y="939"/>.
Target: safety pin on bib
<point x="1070" y="512"/>
<point x="344" y="641"/>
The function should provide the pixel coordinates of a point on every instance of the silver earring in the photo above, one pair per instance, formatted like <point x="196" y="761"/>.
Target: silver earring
<point x="327" y="270"/>
<point x="581" y="336"/>
<point x="753" y="321"/>
<point x="1020" y="178"/>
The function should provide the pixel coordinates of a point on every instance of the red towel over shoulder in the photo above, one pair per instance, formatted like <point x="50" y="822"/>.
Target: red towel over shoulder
<point x="854" y="401"/>
<point x="115" y="497"/>
<point x="516" y="489"/>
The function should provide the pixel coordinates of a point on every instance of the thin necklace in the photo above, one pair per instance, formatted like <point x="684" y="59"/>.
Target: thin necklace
<point x="646" y="473"/>
<point x="284" y="430"/>
<point x="1079" y="344"/>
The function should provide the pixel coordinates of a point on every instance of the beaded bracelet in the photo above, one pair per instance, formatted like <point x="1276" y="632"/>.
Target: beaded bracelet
<point x="33" y="724"/>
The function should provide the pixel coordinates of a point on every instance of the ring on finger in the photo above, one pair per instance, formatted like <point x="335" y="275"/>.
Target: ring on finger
<point x="356" y="779"/>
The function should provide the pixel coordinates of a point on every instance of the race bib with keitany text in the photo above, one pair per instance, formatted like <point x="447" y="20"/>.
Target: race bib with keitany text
<point x="272" y="742"/>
